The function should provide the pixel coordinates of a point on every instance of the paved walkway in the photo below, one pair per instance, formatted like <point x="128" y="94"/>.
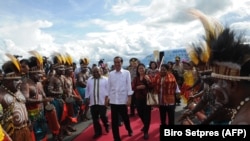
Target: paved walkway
<point x="83" y="125"/>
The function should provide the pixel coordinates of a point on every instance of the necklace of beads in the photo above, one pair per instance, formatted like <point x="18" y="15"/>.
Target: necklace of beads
<point x="11" y="93"/>
<point x="235" y="111"/>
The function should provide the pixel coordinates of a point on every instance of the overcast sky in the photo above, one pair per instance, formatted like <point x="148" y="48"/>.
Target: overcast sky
<point x="103" y="29"/>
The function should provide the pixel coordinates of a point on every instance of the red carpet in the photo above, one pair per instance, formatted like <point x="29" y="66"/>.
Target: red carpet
<point x="136" y="124"/>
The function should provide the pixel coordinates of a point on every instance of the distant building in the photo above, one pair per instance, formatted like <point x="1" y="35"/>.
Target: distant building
<point x="169" y="55"/>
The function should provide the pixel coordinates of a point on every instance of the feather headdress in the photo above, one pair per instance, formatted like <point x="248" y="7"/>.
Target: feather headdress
<point x="64" y="61"/>
<point x="84" y="61"/>
<point x="230" y="57"/>
<point x="14" y="61"/>
<point x="200" y="53"/>
<point x="69" y="61"/>
<point x="228" y="54"/>
<point x="36" y="62"/>
<point x="11" y="68"/>
<point x="58" y="60"/>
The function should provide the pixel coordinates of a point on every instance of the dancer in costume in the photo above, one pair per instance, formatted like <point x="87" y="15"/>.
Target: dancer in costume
<point x="56" y="90"/>
<point x="3" y="135"/>
<point x="189" y="78"/>
<point x="36" y="98"/>
<point x="71" y="97"/>
<point x="81" y="83"/>
<point x="229" y="60"/>
<point x="203" y="100"/>
<point x="231" y="70"/>
<point x="15" y="119"/>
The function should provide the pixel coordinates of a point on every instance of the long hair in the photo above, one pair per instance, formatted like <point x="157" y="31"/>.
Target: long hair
<point x="137" y="73"/>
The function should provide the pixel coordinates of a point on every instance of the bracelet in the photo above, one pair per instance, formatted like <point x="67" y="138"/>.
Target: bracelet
<point x="191" y="112"/>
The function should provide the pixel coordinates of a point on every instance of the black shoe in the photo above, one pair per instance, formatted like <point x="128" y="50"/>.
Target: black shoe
<point x="67" y="133"/>
<point x="107" y="128"/>
<point x="97" y="136"/>
<point x="120" y="123"/>
<point x="142" y="129"/>
<point x="71" y="129"/>
<point x="57" y="137"/>
<point x="130" y="133"/>
<point x="145" y="136"/>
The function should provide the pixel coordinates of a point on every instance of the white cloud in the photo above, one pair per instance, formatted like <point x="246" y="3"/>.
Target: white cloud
<point x="131" y="28"/>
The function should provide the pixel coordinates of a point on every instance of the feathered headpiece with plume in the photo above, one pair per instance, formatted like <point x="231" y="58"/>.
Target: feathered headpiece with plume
<point x="11" y="68"/>
<point x="228" y="54"/>
<point x="200" y="53"/>
<point x="36" y="62"/>
<point x="69" y="61"/>
<point x="58" y="60"/>
<point x="14" y="61"/>
<point x="84" y="61"/>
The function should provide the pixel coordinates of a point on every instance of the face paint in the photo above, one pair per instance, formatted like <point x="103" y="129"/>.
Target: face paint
<point x="16" y="83"/>
<point x="220" y="93"/>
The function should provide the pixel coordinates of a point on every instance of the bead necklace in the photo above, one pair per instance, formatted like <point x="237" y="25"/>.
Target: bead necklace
<point x="235" y="111"/>
<point x="11" y="93"/>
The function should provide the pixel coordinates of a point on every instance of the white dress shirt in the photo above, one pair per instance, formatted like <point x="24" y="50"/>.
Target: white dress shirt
<point x="119" y="87"/>
<point x="97" y="93"/>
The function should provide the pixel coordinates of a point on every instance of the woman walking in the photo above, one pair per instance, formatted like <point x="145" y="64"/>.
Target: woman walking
<point x="140" y="85"/>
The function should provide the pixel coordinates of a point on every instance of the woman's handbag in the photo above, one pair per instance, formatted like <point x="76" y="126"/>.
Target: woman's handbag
<point x="152" y="99"/>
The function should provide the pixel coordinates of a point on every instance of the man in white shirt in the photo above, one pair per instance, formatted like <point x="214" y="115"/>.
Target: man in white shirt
<point x="120" y="92"/>
<point x="97" y="93"/>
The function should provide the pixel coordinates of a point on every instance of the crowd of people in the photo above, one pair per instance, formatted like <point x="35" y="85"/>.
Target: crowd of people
<point x="37" y="97"/>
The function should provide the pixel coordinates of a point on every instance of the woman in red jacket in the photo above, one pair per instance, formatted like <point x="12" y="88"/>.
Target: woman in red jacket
<point x="166" y="87"/>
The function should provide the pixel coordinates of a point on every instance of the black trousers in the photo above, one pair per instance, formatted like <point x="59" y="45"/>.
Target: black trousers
<point x="121" y="110"/>
<point x="133" y="105"/>
<point x="144" y="112"/>
<point x="96" y="112"/>
<point x="167" y="111"/>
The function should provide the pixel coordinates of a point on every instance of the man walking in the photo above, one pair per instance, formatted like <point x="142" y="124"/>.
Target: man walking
<point x="97" y="94"/>
<point x="120" y="92"/>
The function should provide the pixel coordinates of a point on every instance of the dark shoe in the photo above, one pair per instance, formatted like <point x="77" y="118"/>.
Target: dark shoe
<point x="142" y="129"/>
<point x="107" y="128"/>
<point x="96" y="136"/>
<point x="120" y="123"/>
<point x="71" y="129"/>
<point x="67" y="133"/>
<point x="145" y="136"/>
<point x="130" y="133"/>
<point x="84" y="118"/>
<point x="57" y="137"/>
